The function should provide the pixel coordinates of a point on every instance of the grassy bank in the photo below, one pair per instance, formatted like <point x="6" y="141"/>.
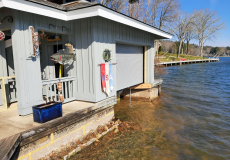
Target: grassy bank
<point x="168" y="57"/>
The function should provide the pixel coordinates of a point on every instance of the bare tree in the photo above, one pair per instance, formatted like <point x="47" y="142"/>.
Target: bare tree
<point x="189" y="35"/>
<point x="181" y="27"/>
<point x="117" y="5"/>
<point x="157" y="13"/>
<point x="145" y="17"/>
<point x="166" y="46"/>
<point x="135" y="10"/>
<point x="161" y="12"/>
<point x="207" y="26"/>
<point x="174" y="48"/>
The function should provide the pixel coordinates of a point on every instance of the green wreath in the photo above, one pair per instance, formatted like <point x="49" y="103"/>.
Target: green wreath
<point x="107" y="55"/>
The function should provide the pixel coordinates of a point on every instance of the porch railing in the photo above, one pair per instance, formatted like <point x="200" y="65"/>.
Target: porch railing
<point x="2" y="79"/>
<point x="51" y="93"/>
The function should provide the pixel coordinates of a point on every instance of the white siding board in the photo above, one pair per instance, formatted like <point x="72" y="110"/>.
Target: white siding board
<point x="90" y="73"/>
<point x="91" y="60"/>
<point x="3" y="69"/>
<point x="79" y="57"/>
<point x="85" y="64"/>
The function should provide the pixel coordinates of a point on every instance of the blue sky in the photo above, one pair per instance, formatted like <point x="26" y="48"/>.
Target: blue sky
<point x="222" y="7"/>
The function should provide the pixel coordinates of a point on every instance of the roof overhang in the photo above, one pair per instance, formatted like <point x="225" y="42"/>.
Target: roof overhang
<point x="97" y="10"/>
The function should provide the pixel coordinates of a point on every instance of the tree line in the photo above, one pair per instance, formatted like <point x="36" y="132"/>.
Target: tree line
<point x="202" y="25"/>
<point x="193" y="49"/>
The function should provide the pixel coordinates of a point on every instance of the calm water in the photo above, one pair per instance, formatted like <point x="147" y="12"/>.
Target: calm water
<point x="191" y="120"/>
<point x="196" y="104"/>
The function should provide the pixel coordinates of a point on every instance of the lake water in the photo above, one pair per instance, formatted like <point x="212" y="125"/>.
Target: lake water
<point x="191" y="119"/>
<point x="196" y="103"/>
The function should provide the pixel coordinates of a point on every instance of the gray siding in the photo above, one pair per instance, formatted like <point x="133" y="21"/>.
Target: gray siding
<point x="3" y="69"/>
<point x="3" y="57"/>
<point x="106" y="34"/>
<point x="85" y="60"/>
<point x="28" y="70"/>
<point x="90" y="36"/>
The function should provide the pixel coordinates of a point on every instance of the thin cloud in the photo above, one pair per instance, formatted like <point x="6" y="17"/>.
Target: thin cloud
<point x="213" y="2"/>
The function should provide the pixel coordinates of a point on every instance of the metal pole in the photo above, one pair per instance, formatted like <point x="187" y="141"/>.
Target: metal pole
<point x="130" y="99"/>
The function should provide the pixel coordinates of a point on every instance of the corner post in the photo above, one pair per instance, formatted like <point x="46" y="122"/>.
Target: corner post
<point x="145" y="64"/>
<point x="27" y="69"/>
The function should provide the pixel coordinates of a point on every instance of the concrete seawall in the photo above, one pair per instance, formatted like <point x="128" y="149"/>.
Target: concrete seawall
<point x="40" y="141"/>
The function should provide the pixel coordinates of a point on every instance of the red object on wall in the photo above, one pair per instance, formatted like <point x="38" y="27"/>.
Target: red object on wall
<point x="103" y="77"/>
<point x="2" y="36"/>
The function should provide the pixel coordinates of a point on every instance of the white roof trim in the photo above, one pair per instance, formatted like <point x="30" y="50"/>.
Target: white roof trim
<point x="109" y="14"/>
<point x="80" y="13"/>
<point x="34" y="8"/>
<point x="1" y="4"/>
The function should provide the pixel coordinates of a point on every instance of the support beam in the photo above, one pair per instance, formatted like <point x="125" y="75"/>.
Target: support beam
<point x="145" y="64"/>
<point x="159" y="90"/>
<point x="3" y="73"/>
<point x="4" y="93"/>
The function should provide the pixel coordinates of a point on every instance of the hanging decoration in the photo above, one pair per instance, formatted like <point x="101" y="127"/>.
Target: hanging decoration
<point x="2" y="36"/>
<point x="59" y="86"/>
<point x="36" y="40"/>
<point x="107" y="55"/>
<point x="111" y="81"/>
<point x="107" y="77"/>
<point x="64" y="56"/>
<point x="9" y="18"/>
<point x="50" y="38"/>
<point x="61" y="97"/>
<point x="69" y="48"/>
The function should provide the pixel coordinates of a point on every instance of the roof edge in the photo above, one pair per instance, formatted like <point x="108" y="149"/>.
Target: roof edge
<point x="135" y="19"/>
<point x="85" y="12"/>
<point x="98" y="4"/>
<point x="34" y="8"/>
<point x="146" y="26"/>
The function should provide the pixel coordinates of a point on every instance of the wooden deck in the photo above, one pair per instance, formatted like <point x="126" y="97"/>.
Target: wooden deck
<point x="8" y="146"/>
<point x="11" y="123"/>
<point x="172" y="63"/>
<point x="22" y="130"/>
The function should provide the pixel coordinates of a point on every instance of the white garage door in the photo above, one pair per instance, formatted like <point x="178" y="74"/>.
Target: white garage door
<point x="129" y="65"/>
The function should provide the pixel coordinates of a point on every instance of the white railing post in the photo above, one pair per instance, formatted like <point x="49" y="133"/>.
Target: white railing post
<point x="2" y="79"/>
<point x="67" y="88"/>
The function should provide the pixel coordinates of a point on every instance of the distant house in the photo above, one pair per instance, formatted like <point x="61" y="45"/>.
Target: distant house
<point x="90" y="28"/>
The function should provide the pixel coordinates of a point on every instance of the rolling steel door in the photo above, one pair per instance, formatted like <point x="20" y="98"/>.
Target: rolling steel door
<point x="129" y="69"/>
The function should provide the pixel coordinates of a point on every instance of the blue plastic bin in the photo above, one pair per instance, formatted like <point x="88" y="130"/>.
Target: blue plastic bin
<point x="46" y="112"/>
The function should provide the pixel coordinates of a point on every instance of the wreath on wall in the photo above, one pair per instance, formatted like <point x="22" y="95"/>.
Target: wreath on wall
<point x="107" y="55"/>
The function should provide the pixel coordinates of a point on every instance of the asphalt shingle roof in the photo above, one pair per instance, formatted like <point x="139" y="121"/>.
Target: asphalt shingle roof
<point x="66" y="7"/>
